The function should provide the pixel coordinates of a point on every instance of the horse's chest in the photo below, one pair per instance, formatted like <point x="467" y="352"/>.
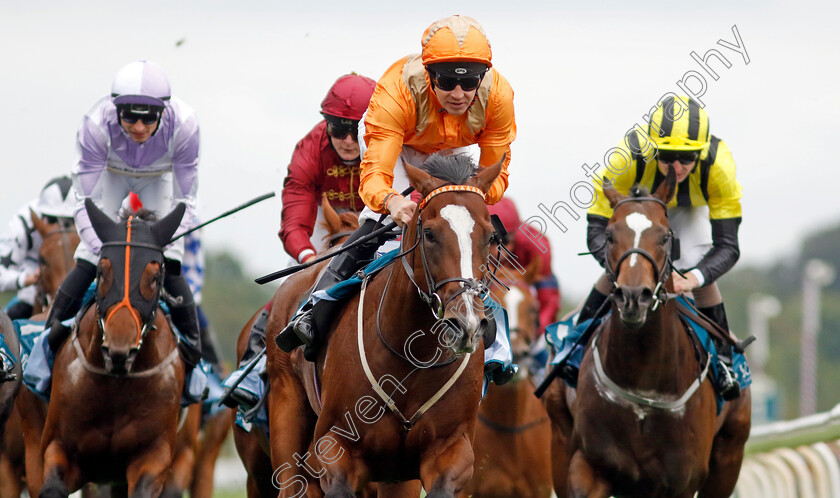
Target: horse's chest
<point x="660" y="448"/>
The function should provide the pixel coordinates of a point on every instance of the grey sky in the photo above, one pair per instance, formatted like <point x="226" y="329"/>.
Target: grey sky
<point x="256" y="72"/>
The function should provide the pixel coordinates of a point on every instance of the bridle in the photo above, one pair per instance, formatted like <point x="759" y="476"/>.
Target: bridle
<point x="431" y="297"/>
<point x="105" y="314"/>
<point x="660" y="295"/>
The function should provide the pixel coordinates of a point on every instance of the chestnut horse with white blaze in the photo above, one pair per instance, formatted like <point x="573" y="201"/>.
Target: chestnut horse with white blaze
<point x="393" y="395"/>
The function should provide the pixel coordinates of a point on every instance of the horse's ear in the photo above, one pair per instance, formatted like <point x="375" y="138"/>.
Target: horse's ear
<point x="104" y="226"/>
<point x="611" y="193"/>
<point x="668" y="188"/>
<point x="330" y="216"/>
<point x="420" y="180"/>
<point x="39" y="224"/>
<point x="164" y="229"/>
<point x="486" y="176"/>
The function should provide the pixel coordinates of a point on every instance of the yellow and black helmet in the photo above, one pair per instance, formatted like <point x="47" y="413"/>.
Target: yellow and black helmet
<point x="679" y="124"/>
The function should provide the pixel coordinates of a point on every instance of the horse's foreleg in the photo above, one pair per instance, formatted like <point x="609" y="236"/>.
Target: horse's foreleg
<point x="56" y="472"/>
<point x="216" y="429"/>
<point x="584" y="481"/>
<point x="181" y="474"/>
<point x="147" y="473"/>
<point x="291" y="423"/>
<point x="448" y="470"/>
<point x="728" y="448"/>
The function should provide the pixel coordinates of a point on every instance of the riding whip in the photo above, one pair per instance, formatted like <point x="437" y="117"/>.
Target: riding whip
<point x="227" y="213"/>
<point x="294" y="269"/>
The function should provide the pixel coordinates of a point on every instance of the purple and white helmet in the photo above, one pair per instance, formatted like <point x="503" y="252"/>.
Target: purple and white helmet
<point x="141" y="82"/>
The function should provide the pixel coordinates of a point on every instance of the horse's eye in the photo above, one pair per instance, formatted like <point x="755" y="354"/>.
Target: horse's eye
<point x="609" y="236"/>
<point x="42" y="260"/>
<point x="665" y="238"/>
<point x="428" y="235"/>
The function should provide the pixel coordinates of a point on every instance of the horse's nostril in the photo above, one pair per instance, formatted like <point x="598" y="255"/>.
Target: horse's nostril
<point x="646" y="296"/>
<point x="618" y="296"/>
<point x="450" y="333"/>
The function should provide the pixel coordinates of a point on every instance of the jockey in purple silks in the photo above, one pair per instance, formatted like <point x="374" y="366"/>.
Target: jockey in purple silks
<point x="138" y="139"/>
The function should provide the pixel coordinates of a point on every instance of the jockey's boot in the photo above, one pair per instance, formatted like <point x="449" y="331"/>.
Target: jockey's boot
<point x="239" y="395"/>
<point x="727" y="386"/>
<point x="68" y="300"/>
<point x="185" y="319"/>
<point x="591" y="306"/>
<point x="302" y="329"/>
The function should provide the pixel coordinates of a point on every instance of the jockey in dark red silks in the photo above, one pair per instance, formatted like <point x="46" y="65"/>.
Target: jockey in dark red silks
<point x="324" y="162"/>
<point x="525" y="249"/>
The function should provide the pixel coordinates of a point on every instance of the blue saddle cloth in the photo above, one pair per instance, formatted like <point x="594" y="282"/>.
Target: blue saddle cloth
<point x="563" y="335"/>
<point x="27" y="331"/>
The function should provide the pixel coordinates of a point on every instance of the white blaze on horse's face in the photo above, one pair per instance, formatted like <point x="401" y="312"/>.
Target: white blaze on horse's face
<point x="638" y="223"/>
<point x="462" y="223"/>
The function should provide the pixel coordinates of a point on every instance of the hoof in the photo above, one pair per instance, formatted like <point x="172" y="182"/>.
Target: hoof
<point x="53" y="489"/>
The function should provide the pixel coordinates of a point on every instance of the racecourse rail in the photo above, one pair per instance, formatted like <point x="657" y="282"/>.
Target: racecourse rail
<point x="794" y="458"/>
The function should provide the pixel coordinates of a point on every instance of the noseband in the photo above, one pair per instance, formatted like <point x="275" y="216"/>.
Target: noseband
<point x="432" y="298"/>
<point x="660" y="274"/>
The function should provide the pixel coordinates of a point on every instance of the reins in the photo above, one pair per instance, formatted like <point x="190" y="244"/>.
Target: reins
<point x="389" y="402"/>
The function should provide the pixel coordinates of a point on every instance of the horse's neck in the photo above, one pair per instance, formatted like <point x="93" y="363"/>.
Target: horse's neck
<point x="649" y="355"/>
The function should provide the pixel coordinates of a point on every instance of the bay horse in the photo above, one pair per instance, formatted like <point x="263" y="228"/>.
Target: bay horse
<point x="118" y="379"/>
<point x="642" y="421"/>
<point x="393" y="396"/>
<point x="512" y="437"/>
<point x="252" y="446"/>
<point x="55" y="260"/>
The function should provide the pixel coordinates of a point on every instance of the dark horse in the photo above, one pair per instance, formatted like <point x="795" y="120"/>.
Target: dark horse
<point x="643" y="421"/>
<point x="400" y="378"/>
<point x="117" y="381"/>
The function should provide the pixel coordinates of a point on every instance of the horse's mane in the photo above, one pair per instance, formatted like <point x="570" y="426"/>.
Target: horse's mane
<point x="638" y="191"/>
<point x="142" y="214"/>
<point x="453" y="168"/>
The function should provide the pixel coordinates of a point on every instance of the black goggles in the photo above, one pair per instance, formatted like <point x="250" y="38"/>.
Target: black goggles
<point x="147" y="119"/>
<point x="340" y="131"/>
<point x="448" y="83"/>
<point x="683" y="157"/>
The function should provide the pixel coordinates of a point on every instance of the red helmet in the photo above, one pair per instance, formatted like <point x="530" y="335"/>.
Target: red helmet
<point x="505" y="209"/>
<point x="349" y="97"/>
